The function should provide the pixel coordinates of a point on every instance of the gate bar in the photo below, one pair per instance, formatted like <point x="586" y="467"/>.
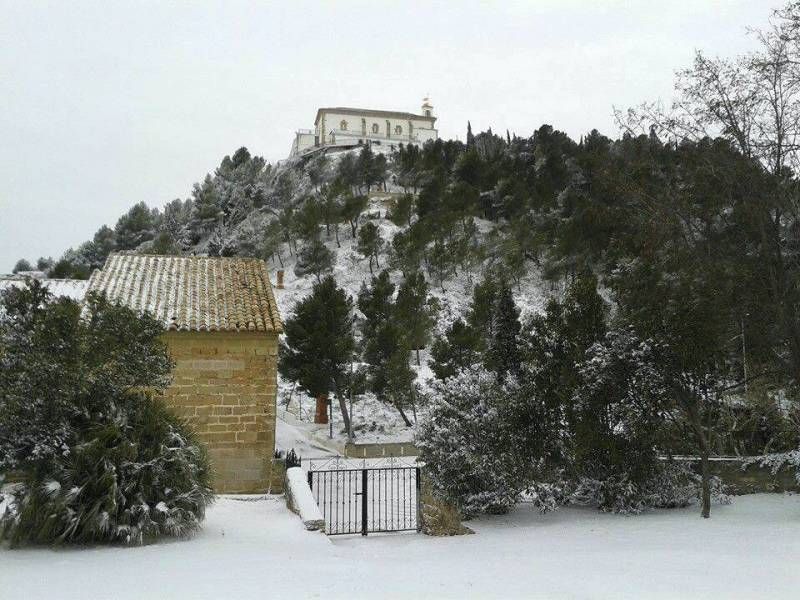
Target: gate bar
<point x="364" y="497"/>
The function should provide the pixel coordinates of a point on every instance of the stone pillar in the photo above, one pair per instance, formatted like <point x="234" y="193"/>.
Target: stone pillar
<point x="279" y="283"/>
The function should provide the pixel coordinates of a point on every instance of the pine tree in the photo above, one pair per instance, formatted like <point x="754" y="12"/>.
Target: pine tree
<point x="104" y="242"/>
<point x="351" y="210"/>
<point x="402" y="210"/>
<point x="164" y="245"/>
<point x="391" y="379"/>
<point x="408" y="248"/>
<point x="286" y="220"/>
<point x="558" y="339"/>
<point x="415" y="311"/>
<point x="307" y="219"/>
<point x="315" y="258"/>
<point x="221" y="243"/>
<point x="458" y="349"/>
<point x="134" y="227"/>
<point x="206" y="209"/>
<point x="318" y="170"/>
<point x="377" y="174"/>
<point x="440" y="262"/>
<point x="375" y="302"/>
<point x="319" y="346"/>
<point x="331" y="207"/>
<point x="22" y="265"/>
<point x="481" y="308"/>
<point x="45" y="263"/>
<point x="272" y="242"/>
<point x="370" y="243"/>
<point x="470" y="137"/>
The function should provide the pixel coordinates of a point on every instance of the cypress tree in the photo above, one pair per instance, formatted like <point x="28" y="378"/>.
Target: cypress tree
<point x="504" y="355"/>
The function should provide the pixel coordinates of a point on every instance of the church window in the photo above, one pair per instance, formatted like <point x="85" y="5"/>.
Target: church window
<point x="363" y="127"/>
<point x="343" y="125"/>
<point x="375" y="128"/>
<point x="398" y="130"/>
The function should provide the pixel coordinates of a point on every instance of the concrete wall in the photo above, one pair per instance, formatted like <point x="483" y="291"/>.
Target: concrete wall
<point x="302" y="141"/>
<point x="752" y="479"/>
<point x="380" y="450"/>
<point x="225" y="386"/>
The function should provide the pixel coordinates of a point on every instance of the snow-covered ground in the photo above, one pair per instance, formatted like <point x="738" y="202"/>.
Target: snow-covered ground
<point x="258" y="549"/>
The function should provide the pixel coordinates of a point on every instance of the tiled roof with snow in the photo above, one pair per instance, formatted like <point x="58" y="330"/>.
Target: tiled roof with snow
<point x="193" y="293"/>
<point x="74" y="289"/>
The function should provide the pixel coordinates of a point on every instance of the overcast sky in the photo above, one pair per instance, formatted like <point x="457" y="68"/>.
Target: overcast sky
<point x="106" y="104"/>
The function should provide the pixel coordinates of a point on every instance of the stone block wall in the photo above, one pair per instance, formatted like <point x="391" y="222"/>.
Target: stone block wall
<point x="225" y="386"/>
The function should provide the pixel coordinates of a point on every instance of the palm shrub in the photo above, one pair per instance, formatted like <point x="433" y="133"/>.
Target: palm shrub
<point x="96" y="455"/>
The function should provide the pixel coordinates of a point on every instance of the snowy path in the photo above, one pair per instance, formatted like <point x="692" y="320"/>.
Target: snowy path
<point x="260" y="550"/>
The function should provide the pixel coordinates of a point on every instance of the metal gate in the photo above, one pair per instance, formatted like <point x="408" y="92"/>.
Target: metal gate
<point x="369" y="499"/>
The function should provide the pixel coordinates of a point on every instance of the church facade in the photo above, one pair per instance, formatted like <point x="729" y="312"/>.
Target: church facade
<point x="343" y="127"/>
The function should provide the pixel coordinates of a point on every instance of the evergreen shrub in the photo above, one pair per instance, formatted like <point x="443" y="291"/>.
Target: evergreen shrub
<point x="96" y="455"/>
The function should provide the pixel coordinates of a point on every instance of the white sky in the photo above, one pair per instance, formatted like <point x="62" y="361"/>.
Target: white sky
<point x="103" y="105"/>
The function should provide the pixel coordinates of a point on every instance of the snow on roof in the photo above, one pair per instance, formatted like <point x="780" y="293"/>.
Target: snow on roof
<point x="193" y="293"/>
<point x="74" y="289"/>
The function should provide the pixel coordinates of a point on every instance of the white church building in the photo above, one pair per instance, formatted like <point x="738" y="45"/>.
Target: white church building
<point x="342" y="127"/>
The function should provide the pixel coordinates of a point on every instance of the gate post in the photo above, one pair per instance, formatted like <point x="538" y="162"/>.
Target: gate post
<point x="364" y="497"/>
<point x="419" y="500"/>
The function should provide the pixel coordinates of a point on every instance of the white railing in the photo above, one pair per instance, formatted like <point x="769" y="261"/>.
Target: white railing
<point x="351" y="135"/>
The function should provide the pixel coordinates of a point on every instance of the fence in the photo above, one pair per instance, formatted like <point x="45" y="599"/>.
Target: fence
<point x="370" y="499"/>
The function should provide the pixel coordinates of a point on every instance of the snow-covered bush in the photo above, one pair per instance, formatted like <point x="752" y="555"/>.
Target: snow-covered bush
<point x="618" y="413"/>
<point x="98" y="458"/>
<point x="466" y="445"/>
<point x="140" y="476"/>
<point x="671" y="486"/>
<point x="617" y="494"/>
<point x="778" y="461"/>
<point x="548" y="496"/>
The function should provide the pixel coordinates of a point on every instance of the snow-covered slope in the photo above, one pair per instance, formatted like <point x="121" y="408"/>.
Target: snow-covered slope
<point x="373" y="420"/>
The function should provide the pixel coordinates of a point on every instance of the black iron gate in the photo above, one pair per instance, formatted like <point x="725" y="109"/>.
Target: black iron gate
<point x="367" y="500"/>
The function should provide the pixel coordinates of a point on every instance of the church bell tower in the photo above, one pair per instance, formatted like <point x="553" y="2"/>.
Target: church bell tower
<point x="427" y="107"/>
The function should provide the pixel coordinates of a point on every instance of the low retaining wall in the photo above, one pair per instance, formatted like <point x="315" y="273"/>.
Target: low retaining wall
<point x="300" y="501"/>
<point x="380" y="450"/>
<point x="752" y="479"/>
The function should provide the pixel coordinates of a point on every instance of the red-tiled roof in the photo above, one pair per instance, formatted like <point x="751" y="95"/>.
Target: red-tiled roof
<point x="193" y="293"/>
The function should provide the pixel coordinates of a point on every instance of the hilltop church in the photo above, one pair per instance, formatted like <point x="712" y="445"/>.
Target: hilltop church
<point x="342" y="127"/>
